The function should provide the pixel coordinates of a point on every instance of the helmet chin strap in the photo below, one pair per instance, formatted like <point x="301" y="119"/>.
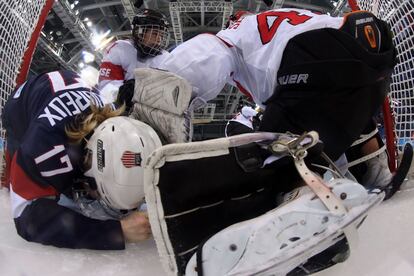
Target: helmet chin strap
<point x="118" y="214"/>
<point x="95" y="207"/>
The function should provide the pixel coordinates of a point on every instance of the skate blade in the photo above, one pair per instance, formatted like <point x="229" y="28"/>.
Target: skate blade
<point x="299" y="252"/>
<point x="255" y="253"/>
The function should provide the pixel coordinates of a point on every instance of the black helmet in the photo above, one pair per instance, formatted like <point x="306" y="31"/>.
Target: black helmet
<point x="150" y="32"/>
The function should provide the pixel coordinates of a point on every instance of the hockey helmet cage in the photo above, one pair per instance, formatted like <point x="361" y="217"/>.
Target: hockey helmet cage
<point x="150" y="32"/>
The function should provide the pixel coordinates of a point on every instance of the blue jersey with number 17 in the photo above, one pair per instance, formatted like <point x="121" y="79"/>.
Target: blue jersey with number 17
<point x="35" y="116"/>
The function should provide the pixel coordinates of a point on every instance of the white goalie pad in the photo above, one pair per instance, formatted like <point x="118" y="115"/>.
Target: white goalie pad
<point x="176" y="152"/>
<point x="162" y="99"/>
<point x="162" y="90"/>
<point x="170" y="128"/>
<point x="275" y="241"/>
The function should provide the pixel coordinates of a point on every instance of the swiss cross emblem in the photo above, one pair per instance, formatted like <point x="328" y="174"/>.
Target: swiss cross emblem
<point x="131" y="159"/>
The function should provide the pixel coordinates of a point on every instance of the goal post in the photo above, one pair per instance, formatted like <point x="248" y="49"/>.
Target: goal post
<point x="398" y="109"/>
<point x="21" y="22"/>
<point x="28" y="54"/>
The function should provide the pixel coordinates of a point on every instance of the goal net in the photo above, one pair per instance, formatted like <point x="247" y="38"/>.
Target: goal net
<point x="21" y="22"/>
<point x="400" y="15"/>
<point x="20" y="25"/>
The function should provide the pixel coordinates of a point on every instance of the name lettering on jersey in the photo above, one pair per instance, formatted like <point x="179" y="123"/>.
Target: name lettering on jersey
<point x="110" y="71"/>
<point x="105" y="72"/>
<point x="293" y="79"/>
<point x="67" y="104"/>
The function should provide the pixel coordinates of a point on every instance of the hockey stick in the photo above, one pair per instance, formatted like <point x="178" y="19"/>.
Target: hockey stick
<point x="401" y="172"/>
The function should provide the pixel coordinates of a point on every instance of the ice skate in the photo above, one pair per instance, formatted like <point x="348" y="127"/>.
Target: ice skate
<point x="280" y="240"/>
<point x="378" y="173"/>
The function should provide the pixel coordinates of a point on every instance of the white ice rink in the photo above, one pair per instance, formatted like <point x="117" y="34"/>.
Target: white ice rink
<point x="386" y="248"/>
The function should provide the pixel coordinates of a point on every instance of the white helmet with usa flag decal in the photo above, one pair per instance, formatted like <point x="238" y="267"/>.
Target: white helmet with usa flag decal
<point x="119" y="148"/>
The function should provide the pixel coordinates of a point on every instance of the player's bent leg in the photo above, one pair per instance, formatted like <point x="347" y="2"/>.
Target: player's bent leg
<point x="196" y="189"/>
<point x="206" y="191"/>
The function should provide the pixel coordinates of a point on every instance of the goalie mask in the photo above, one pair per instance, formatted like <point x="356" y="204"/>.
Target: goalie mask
<point x="150" y="32"/>
<point x="119" y="148"/>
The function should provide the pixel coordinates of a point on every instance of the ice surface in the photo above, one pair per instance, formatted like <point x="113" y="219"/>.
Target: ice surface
<point x="21" y="258"/>
<point x="386" y="240"/>
<point x="386" y="247"/>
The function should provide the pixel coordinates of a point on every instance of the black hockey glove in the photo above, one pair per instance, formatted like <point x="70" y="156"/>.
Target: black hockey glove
<point x="256" y="121"/>
<point x="125" y="94"/>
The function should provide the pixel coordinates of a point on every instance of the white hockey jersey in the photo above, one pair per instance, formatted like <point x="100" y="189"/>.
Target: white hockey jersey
<point x="247" y="54"/>
<point x="118" y="64"/>
<point x="245" y="116"/>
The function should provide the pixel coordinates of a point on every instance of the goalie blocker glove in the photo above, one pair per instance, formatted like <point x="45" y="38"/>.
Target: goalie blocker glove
<point x="162" y="100"/>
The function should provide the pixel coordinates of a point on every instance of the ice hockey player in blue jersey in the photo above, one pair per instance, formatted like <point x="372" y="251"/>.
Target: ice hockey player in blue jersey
<point x="51" y="126"/>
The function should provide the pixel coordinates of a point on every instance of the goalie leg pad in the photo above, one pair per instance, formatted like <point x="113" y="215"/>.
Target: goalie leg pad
<point x="220" y="195"/>
<point x="194" y="190"/>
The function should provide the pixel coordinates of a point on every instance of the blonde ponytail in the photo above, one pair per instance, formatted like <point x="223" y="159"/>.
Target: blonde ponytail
<point x="76" y="132"/>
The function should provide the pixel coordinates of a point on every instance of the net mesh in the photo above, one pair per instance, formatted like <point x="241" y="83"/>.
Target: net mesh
<point x="400" y="15"/>
<point x="18" y="20"/>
